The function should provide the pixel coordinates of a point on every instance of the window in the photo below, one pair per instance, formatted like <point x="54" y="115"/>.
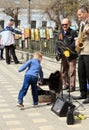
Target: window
<point x="1" y="24"/>
<point x="33" y="24"/>
<point x="44" y="23"/>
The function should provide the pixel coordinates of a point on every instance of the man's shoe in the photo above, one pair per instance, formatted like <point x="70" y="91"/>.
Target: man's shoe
<point x="2" y="58"/>
<point x="72" y="89"/>
<point x="66" y="87"/>
<point x="79" y="97"/>
<point x="86" y="101"/>
<point x="18" y="62"/>
<point x="8" y="63"/>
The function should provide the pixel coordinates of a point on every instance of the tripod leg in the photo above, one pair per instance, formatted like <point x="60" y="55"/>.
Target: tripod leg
<point x="80" y="104"/>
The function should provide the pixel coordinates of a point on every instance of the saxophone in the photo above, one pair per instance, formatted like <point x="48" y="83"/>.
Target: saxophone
<point x="81" y="40"/>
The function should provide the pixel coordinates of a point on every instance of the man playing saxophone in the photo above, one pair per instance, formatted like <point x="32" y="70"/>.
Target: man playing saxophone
<point x="83" y="62"/>
<point x="81" y="38"/>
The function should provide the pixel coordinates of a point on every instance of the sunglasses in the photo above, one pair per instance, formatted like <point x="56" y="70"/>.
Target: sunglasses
<point x="64" y="24"/>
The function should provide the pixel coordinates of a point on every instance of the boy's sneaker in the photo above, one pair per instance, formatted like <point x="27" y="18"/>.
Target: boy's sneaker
<point x="35" y="106"/>
<point x="20" y="105"/>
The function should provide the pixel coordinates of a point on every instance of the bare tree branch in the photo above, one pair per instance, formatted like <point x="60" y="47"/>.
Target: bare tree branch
<point x="13" y="13"/>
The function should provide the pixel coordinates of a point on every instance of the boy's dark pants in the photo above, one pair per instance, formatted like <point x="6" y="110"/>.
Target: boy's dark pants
<point x="1" y="53"/>
<point x="10" y="50"/>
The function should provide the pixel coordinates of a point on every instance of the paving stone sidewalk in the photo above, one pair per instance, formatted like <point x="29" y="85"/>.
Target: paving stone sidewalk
<point x="40" y="118"/>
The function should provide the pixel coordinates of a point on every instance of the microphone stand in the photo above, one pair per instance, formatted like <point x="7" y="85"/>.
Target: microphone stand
<point x="62" y="46"/>
<point x="69" y="97"/>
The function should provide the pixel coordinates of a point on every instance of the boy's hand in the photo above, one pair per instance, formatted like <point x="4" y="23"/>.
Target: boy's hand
<point x="40" y="83"/>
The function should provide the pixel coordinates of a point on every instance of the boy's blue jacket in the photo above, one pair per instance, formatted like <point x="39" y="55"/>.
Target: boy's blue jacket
<point x="33" y="68"/>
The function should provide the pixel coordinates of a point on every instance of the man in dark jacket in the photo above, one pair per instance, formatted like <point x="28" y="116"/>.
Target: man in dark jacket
<point x="66" y="46"/>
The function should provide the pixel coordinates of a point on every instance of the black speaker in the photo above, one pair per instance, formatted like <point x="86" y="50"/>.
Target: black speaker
<point x="60" y="107"/>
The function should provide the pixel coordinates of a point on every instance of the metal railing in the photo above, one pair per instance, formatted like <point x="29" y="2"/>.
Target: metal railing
<point x="46" y="47"/>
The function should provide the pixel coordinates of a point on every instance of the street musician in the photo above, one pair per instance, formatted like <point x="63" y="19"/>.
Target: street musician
<point x="65" y="47"/>
<point x="83" y="62"/>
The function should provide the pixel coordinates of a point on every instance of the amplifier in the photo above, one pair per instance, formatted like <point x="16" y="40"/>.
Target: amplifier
<point x="60" y="107"/>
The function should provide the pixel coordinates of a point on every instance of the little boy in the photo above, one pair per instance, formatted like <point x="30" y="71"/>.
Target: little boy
<point x="34" y="70"/>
